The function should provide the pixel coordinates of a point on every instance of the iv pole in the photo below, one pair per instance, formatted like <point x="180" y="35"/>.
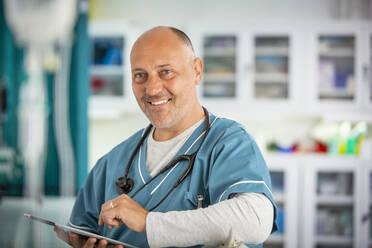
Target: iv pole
<point x="39" y="25"/>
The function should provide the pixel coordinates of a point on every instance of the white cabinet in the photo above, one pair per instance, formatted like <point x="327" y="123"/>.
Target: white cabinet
<point x="337" y="61"/>
<point x="318" y="69"/>
<point x="335" y="55"/>
<point x="247" y="67"/>
<point x="322" y="201"/>
<point x="110" y="77"/>
<point x="332" y="203"/>
<point x="313" y="69"/>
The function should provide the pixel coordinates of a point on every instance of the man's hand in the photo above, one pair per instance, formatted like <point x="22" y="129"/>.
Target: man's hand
<point x="123" y="209"/>
<point x="78" y="241"/>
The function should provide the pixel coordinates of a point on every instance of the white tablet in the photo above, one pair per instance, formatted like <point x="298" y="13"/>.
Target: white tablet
<point x="78" y="231"/>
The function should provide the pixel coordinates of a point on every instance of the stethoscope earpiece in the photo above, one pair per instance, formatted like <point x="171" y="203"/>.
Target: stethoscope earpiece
<point x="124" y="185"/>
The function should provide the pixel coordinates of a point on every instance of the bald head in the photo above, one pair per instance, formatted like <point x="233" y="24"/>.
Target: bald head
<point x="167" y="33"/>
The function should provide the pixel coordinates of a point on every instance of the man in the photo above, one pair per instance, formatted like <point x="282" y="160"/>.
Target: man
<point x="223" y="190"/>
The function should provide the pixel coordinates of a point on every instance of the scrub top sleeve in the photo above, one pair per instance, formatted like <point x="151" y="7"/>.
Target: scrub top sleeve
<point x="88" y="202"/>
<point x="238" y="167"/>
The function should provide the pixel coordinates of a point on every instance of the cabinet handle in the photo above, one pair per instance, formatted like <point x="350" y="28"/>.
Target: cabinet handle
<point x="367" y="74"/>
<point x="366" y="217"/>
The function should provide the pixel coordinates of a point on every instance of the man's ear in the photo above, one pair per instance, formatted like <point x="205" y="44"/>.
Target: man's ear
<point x="198" y="69"/>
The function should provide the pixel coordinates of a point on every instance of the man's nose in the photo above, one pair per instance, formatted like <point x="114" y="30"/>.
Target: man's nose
<point x="154" y="86"/>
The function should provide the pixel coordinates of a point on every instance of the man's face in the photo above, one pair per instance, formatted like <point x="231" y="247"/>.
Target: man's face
<point x="164" y="78"/>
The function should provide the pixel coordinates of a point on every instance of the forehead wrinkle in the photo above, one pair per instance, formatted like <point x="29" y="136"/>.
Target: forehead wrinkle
<point x="158" y="66"/>
<point x="158" y="59"/>
<point x="160" y="38"/>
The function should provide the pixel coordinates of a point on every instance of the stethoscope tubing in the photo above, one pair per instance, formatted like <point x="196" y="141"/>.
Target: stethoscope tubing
<point x="190" y="157"/>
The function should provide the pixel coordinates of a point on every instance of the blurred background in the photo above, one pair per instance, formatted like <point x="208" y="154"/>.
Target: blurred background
<point x="297" y="74"/>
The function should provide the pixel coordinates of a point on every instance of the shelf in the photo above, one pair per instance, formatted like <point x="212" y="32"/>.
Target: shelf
<point x="106" y="70"/>
<point x="337" y="52"/>
<point x="335" y="200"/>
<point x="220" y="77"/>
<point x="352" y="117"/>
<point x="281" y="78"/>
<point x="272" y="51"/>
<point x="343" y="94"/>
<point x="219" y="52"/>
<point x="333" y="240"/>
<point x="275" y="239"/>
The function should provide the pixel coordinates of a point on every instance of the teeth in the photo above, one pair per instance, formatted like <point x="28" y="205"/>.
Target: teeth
<point x="159" y="102"/>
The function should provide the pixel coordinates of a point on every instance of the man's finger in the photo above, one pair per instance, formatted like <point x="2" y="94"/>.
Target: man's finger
<point x="76" y="240"/>
<point x="100" y="222"/>
<point x="62" y="235"/>
<point x="102" y="243"/>
<point x="90" y="243"/>
<point x="108" y="218"/>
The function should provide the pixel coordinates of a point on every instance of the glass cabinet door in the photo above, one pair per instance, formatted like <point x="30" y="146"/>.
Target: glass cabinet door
<point x="334" y="210"/>
<point x="370" y="71"/>
<point x="219" y="66"/>
<point x="336" y="70"/>
<point x="107" y="74"/>
<point x="271" y="80"/>
<point x="276" y="240"/>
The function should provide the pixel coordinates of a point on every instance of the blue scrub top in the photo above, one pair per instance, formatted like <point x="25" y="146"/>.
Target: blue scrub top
<point x="228" y="162"/>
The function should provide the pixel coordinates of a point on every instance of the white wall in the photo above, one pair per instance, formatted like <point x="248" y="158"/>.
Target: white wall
<point x="106" y="134"/>
<point x="179" y="13"/>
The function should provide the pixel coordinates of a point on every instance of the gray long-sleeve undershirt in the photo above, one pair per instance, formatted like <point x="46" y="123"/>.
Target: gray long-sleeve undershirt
<point x="249" y="216"/>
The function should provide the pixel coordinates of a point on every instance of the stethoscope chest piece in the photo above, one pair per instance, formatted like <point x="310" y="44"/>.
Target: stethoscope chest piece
<point x="124" y="185"/>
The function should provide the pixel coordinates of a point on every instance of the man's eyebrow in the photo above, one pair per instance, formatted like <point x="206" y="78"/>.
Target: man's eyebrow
<point x="163" y="65"/>
<point x="158" y="66"/>
<point x="137" y="69"/>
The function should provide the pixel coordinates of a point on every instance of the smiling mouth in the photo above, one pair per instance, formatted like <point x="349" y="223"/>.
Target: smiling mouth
<point x="157" y="103"/>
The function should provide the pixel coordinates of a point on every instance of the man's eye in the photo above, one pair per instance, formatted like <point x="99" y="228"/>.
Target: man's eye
<point x="139" y="75"/>
<point x="166" y="74"/>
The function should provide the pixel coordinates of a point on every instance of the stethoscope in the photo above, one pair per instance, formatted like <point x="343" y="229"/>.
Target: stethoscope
<point x="124" y="184"/>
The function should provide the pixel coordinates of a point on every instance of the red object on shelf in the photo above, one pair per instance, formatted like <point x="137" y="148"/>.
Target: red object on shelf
<point x="96" y="83"/>
<point x="320" y="147"/>
<point x="295" y="148"/>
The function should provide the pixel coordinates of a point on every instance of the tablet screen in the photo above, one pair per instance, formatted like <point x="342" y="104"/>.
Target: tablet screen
<point x="75" y="230"/>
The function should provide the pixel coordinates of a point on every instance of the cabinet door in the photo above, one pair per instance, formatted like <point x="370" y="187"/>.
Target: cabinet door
<point x="365" y="218"/>
<point x="330" y="203"/>
<point x="336" y="71"/>
<point x="284" y="177"/>
<point x="274" y="66"/>
<point x="271" y="79"/>
<point x="110" y="69"/>
<point x="369" y="72"/>
<point x="367" y="69"/>
<point x="220" y="66"/>
<point x="107" y="75"/>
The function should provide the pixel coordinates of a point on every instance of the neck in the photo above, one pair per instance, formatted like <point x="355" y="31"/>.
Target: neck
<point x="163" y="134"/>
